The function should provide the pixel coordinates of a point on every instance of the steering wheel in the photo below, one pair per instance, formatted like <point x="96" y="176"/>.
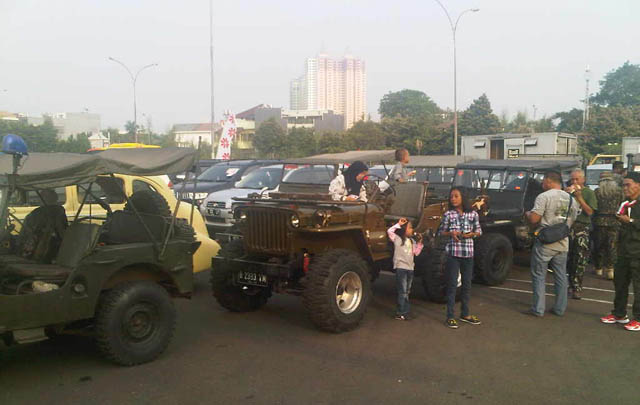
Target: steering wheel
<point x="378" y="180"/>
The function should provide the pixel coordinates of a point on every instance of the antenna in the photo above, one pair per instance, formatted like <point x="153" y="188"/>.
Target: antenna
<point x="213" y="116"/>
<point x="585" y="114"/>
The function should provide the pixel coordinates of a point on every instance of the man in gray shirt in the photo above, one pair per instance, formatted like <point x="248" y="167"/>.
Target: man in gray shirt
<point x="551" y="207"/>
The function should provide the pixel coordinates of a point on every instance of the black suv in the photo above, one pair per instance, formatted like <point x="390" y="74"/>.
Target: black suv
<point x="218" y="177"/>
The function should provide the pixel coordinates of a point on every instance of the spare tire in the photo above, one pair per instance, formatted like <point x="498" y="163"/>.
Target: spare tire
<point x="148" y="202"/>
<point x="433" y="273"/>
<point x="493" y="258"/>
<point x="183" y="231"/>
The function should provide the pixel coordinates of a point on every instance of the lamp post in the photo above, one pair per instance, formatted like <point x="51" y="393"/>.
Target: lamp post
<point x="454" y="27"/>
<point x="134" y="79"/>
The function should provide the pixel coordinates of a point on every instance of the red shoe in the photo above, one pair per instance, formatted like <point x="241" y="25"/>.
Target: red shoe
<point x="611" y="318"/>
<point x="633" y="326"/>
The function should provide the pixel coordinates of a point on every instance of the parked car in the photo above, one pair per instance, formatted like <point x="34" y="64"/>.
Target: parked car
<point x="196" y="170"/>
<point x="593" y="173"/>
<point x="217" y="206"/>
<point x="220" y="176"/>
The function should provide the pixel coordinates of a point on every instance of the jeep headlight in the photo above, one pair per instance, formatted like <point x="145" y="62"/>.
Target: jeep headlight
<point x="295" y="221"/>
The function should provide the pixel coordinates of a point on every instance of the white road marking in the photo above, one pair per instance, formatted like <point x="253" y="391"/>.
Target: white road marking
<point x="584" y="288"/>
<point x="551" y="295"/>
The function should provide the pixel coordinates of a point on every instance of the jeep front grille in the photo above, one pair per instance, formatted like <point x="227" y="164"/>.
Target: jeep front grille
<point x="267" y="231"/>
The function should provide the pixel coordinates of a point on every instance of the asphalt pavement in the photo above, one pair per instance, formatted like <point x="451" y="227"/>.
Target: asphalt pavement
<point x="276" y="356"/>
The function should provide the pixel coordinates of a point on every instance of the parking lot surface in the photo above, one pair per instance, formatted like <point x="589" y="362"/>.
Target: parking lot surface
<point x="276" y="356"/>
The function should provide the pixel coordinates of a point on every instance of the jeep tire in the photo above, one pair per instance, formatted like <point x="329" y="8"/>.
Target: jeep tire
<point x="433" y="274"/>
<point x="337" y="290"/>
<point x="493" y="258"/>
<point x="234" y="297"/>
<point x="134" y="322"/>
<point x="148" y="202"/>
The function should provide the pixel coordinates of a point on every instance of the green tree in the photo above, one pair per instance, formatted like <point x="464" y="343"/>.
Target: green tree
<point x="332" y="142"/>
<point x="74" y="144"/>
<point x="366" y="135"/>
<point x="301" y="142"/>
<point x="479" y="118"/>
<point x="608" y="125"/>
<point x="620" y="87"/>
<point x="407" y="103"/>
<point x="270" y="139"/>
<point x="569" y="121"/>
<point x="39" y="138"/>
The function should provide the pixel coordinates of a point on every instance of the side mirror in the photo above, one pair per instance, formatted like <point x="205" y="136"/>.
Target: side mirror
<point x="14" y="145"/>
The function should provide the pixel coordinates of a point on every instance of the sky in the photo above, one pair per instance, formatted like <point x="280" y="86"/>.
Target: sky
<point x="54" y="54"/>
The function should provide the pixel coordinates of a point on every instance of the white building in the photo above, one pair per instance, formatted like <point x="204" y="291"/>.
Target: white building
<point x="338" y="85"/>
<point x="70" y="123"/>
<point x="513" y="146"/>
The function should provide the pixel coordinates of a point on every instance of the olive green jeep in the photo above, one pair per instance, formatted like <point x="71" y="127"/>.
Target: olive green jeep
<point x="111" y="277"/>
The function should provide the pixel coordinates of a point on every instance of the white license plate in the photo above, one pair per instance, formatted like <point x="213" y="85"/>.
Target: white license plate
<point x="248" y="277"/>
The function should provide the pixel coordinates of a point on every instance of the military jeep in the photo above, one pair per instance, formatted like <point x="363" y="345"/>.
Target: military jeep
<point x="299" y="241"/>
<point x="507" y="189"/>
<point x="111" y="277"/>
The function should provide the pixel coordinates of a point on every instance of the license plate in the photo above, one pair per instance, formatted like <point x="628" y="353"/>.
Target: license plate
<point x="247" y="277"/>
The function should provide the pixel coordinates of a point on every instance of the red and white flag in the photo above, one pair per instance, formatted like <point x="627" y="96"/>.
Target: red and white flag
<point x="228" y="133"/>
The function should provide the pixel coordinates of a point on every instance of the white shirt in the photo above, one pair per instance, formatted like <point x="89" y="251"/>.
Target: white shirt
<point x="338" y="189"/>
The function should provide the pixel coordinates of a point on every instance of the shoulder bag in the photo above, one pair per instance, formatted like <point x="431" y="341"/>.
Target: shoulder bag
<point x="556" y="232"/>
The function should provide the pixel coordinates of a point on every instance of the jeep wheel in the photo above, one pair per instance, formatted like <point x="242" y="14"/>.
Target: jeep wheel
<point x="134" y="322"/>
<point x="433" y="275"/>
<point x="493" y="258"/>
<point x="236" y="298"/>
<point x="148" y="202"/>
<point x="337" y="290"/>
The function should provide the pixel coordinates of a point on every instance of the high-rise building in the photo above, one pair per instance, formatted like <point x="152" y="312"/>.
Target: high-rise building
<point x="338" y="85"/>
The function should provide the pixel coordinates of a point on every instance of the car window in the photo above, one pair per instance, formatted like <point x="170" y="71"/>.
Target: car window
<point x="593" y="176"/>
<point x="315" y="174"/>
<point x="139" y="185"/>
<point x="31" y="198"/>
<point x="515" y="180"/>
<point x="105" y="188"/>
<point x="263" y="177"/>
<point x="495" y="180"/>
<point x="471" y="178"/>
<point x="220" y="173"/>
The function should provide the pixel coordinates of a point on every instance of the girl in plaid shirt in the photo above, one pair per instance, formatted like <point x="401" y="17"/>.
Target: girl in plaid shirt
<point x="461" y="224"/>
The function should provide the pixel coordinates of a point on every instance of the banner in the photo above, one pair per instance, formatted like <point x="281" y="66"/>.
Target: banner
<point x="228" y="133"/>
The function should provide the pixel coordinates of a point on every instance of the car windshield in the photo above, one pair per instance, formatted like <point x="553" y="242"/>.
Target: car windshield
<point x="223" y="173"/>
<point x="264" y="177"/>
<point x="593" y="176"/>
<point x="312" y="174"/>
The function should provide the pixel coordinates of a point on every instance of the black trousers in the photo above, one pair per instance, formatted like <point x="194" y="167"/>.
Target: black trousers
<point x="627" y="271"/>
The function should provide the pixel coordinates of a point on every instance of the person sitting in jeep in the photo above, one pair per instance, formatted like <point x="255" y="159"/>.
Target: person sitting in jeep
<point x="43" y="228"/>
<point x="348" y="185"/>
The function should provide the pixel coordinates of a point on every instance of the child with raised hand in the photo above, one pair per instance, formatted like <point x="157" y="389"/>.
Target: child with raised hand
<point x="461" y="224"/>
<point x="406" y="246"/>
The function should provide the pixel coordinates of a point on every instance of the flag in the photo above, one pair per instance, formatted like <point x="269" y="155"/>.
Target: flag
<point x="228" y="133"/>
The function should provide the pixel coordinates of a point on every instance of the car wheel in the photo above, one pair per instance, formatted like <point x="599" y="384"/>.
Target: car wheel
<point x="493" y="258"/>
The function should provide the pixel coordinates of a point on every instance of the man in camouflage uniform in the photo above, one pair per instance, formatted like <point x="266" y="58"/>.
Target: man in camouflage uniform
<point x="609" y="197"/>
<point x="579" y="243"/>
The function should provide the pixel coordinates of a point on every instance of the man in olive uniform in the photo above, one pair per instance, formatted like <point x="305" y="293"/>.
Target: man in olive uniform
<point x="579" y="243"/>
<point x="606" y="225"/>
<point x="627" y="269"/>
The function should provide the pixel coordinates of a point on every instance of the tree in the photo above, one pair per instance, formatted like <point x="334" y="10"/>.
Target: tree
<point x="301" y="142"/>
<point x="366" y="135"/>
<point x="407" y="103"/>
<point x="569" y="121"/>
<point x="608" y="125"/>
<point x="332" y="142"/>
<point x="39" y="138"/>
<point x="270" y="139"/>
<point x="620" y="87"/>
<point x="74" y="144"/>
<point x="479" y="118"/>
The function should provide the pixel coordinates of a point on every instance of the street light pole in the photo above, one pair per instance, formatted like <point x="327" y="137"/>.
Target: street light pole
<point x="134" y="79"/>
<point x="454" y="27"/>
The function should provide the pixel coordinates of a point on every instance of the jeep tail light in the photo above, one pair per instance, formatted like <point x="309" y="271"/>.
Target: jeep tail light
<point x="305" y="263"/>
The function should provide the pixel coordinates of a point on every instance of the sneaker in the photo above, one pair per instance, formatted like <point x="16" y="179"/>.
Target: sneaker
<point x="472" y="319"/>
<point x="402" y="317"/>
<point x="610" y="274"/>
<point x="633" y="326"/>
<point x="576" y="295"/>
<point x="611" y="318"/>
<point x="451" y="323"/>
<point x="599" y="272"/>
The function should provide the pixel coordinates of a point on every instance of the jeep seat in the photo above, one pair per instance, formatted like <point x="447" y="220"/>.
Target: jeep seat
<point x="125" y="227"/>
<point x="409" y="201"/>
<point x="79" y="239"/>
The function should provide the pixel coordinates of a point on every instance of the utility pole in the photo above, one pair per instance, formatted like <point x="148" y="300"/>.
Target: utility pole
<point x="585" y="114"/>
<point x="213" y="114"/>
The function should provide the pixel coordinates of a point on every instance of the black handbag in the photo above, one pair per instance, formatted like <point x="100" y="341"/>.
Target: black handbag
<point x="556" y="232"/>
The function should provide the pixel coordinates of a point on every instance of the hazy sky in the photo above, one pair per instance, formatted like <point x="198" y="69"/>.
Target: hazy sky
<point x="53" y="54"/>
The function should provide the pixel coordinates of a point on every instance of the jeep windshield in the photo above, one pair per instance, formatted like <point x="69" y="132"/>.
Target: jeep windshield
<point x="219" y="174"/>
<point x="268" y="177"/>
